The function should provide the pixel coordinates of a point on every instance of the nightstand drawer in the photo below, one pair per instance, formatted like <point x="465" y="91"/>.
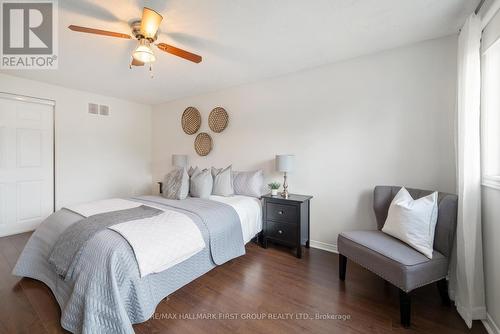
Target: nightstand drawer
<point x="281" y="212"/>
<point x="281" y="231"/>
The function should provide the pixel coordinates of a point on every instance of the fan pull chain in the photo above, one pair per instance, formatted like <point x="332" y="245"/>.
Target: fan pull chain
<point x="151" y="71"/>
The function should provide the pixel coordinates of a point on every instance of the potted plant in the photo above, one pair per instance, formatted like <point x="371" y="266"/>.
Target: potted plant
<point x="274" y="186"/>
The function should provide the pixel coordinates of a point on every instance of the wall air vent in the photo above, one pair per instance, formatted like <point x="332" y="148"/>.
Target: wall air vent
<point x="104" y="110"/>
<point x="93" y="108"/>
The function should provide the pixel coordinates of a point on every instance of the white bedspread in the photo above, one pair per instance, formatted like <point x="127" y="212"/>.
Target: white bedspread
<point x="106" y="205"/>
<point x="159" y="242"/>
<point x="249" y="209"/>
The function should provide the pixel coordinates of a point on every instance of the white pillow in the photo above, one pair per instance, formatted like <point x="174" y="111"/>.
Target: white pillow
<point x="248" y="183"/>
<point x="201" y="183"/>
<point x="223" y="181"/>
<point x="413" y="221"/>
<point x="176" y="184"/>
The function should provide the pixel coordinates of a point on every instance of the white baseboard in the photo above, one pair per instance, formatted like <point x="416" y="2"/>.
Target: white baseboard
<point x="490" y="325"/>
<point x="6" y="230"/>
<point x="324" y="246"/>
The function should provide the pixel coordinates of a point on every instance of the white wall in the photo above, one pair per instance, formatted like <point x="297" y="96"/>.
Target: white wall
<point x="491" y="249"/>
<point x="386" y="118"/>
<point x="96" y="157"/>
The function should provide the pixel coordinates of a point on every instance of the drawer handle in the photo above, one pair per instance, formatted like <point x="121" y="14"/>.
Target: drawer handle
<point x="280" y="212"/>
<point x="280" y="232"/>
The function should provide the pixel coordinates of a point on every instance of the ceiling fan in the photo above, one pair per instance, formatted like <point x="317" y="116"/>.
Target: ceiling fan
<point x="146" y="32"/>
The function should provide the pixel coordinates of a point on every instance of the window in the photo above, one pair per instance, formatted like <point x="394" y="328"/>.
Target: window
<point x="490" y="109"/>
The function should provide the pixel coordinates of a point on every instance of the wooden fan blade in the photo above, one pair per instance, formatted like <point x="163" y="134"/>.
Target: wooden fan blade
<point x="136" y="62"/>
<point x="179" y="52"/>
<point x="99" y="32"/>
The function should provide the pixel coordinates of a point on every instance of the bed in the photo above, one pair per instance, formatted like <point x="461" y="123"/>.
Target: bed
<point x="105" y="292"/>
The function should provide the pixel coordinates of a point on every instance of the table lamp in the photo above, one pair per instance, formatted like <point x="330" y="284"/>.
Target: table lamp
<point x="284" y="164"/>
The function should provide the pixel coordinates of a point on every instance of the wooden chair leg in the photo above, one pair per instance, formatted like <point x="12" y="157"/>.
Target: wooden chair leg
<point x="342" y="267"/>
<point x="405" y="308"/>
<point x="443" y="291"/>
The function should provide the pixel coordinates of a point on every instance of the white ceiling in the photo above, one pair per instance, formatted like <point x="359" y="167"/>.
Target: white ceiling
<point x="240" y="40"/>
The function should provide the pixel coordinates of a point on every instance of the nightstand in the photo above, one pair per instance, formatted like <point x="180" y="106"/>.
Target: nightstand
<point x="286" y="221"/>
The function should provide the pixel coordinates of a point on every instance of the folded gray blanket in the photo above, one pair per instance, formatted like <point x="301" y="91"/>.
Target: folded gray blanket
<point x="69" y="245"/>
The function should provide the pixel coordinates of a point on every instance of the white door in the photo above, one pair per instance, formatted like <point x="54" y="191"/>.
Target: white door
<point x="26" y="164"/>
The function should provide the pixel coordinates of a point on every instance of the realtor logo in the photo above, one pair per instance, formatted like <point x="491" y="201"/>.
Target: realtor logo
<point x="29" y="34"/>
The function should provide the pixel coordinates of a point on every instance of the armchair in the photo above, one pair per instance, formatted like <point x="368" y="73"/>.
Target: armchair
<point x="395" y="261"/>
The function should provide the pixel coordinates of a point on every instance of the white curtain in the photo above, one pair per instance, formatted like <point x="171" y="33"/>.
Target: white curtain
<point x="466" y="276"/>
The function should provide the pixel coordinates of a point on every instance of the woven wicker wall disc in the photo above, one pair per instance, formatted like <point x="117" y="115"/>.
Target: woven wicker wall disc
<point x="203" y="144"/>
<point x="191" y="120"/>
<point x="218" y="119"/>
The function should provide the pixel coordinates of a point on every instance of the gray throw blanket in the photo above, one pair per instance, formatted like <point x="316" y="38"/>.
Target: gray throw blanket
<point x="68" y="247"/>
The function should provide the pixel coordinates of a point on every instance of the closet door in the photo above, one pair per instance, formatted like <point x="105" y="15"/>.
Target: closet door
<point x="26" y="164"/>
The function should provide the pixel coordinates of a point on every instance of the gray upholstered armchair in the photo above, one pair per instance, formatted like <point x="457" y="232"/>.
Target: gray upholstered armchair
<point x="395" y="261"/>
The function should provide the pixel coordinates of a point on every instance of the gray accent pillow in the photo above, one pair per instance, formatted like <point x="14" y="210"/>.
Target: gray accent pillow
<point x="191" y="171"/>
<point x="248" y="183"/>
<point x="176" y="184"/>
<point x="223" y="182"/>
<point x="201" y="183"/>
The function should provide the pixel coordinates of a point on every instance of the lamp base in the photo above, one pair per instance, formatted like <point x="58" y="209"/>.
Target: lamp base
<point x="284" y="194"/>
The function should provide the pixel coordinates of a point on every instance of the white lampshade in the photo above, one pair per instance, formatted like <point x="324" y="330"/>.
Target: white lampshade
<point x="284" y="162"/>
<point x="179" y="160"/>
<point x="144" y="53"/>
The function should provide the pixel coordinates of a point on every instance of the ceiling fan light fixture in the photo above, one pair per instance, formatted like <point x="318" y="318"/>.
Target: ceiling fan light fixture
<point x="150" y="23"/>
<point x="143" y="53"/>
<point x="146" y="33"/>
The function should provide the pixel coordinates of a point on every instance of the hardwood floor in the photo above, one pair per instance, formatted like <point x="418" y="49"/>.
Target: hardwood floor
<point x="262" y="284"/>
